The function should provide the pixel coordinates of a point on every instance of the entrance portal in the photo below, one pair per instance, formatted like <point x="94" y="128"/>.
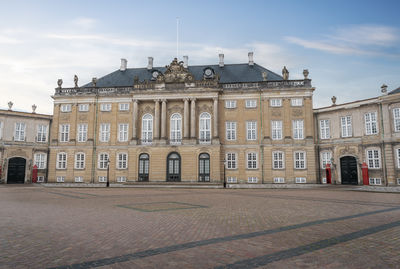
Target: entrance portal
<point x="348" y="169"/>
<point x="204" y="167"/>
<point x="16" y="170"/>
<point x="174" y="167"/>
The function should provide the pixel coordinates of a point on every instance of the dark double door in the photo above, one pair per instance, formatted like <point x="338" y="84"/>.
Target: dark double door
<point x="348" y="168"/>
<point x="174" y="167"/>
<point x="16" y="170"/>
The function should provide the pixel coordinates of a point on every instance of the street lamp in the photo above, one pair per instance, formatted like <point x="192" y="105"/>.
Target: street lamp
<point x="224" y="174"/>
<point x="108" y="172"/>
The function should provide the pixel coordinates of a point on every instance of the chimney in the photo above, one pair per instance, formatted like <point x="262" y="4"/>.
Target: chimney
<point x="124" y="63"/>
<point x="251" y="61"/>
<point x="221" y="60"/>
<point x="150" y="63"/>
<point x="185" y="61"/>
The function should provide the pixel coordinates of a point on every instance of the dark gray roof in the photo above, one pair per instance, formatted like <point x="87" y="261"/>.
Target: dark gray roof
<point x="395" y="91"/>
<point x="230" y="73"/>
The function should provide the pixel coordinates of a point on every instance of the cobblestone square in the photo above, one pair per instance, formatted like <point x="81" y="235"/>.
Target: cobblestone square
<point x="330" y="227"/>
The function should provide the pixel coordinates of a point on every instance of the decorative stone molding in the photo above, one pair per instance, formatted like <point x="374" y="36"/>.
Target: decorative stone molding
<point x="297" y="112"/>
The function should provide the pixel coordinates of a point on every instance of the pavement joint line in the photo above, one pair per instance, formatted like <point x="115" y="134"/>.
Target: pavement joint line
<point x="137" y="207"/>
<point x="194" y="244"/>
<point x="66" y="195"/>
<point x="297" y="251"/>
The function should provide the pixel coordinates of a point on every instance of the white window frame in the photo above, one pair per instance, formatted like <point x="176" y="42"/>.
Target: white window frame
<point x="230" y="130"/>
<point x="123" y="132"/>
<point x="398" y="157"/>
<point x="175" y="128"/>
<point x="105" y="107"/>
<point x="147" y="129"/>
<point x="396" y="119"/>
<point x="102" y="161"/>
<point x="276" y="130"/>
<point x="1" y="129"/>
<point x="83" y="107"/>
<point x="375" y="181"/>
<point x="40" y="160"/>
<point x="298" y="129"/>
<point x="371" y="124"/>
<point x="121" y="179"/>
<point x="122" y="160"/>
<point x="373" y="157"/>
<point x="231" y="179"/>
<point x="205" y="128"/>
<point x="324" y="129"/>
<point x="346" y="126"/>
<point x="105" y="129"/>
<point x="102" y="179"/>
<point x="65" y="108"/>
<point x="398" y="181"/>
<point x="252" y="160"/>
<point x="296" y="102"/>
<point x="123" y="106"/>
<point x="278" y="160"/>
<point x="62" y="160"/>
<point x="301" y="180"/>
<point x="251" y="130"/>
<point x="20" y="131"/>
<point x="40" y="179"/>
<point x="41" y="133"/>
<point x="300" y="160"/>
<point x="231" y="160"/>
<point x="60" y="179"/>
<point x="275" y="102"/>
<point x="279" y="180"/>
<point x="64" y="132"/>
<point x="251" y="103"/>
<point x="230" y="104"/>
<point x="80" y="159"/>
<point x="252" y="179"/>
<point x="326" y="157"/>
<point x="78" y="179"/>
<point x="82" y="131"/>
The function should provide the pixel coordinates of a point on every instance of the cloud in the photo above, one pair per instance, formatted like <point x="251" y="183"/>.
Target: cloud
<point x="84" y="22"/>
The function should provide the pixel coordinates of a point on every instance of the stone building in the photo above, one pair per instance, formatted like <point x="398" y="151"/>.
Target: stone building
<point x="23" y="143"/>
<point x="362" y="131"/>
<point x="240" y="122"/>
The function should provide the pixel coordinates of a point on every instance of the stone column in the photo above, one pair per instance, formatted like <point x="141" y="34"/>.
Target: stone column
<point x="186" y="118"/>
<point x="215" y="126"/>
<point x="164" y="119"/>
<point x="135" y="119"/>
<point x="193" y="118"/>
<point x="156" y="119"/>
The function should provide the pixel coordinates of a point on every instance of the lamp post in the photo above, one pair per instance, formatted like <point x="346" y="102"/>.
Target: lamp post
<point x="224" y="174"/>
<point x="108" y="173"/>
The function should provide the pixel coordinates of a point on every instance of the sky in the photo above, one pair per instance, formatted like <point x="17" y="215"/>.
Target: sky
<point x="350" y="48"/>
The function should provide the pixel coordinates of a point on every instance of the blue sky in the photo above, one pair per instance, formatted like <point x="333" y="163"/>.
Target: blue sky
<point x="350" y="47"/>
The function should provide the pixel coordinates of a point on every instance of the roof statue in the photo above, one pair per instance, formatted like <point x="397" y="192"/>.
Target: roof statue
<point x="59" y="82"/>
<point x="285" y="73"/>
<point x="175" y="73"/>
<point x="305" y="73"/>
<point x="76" y="81"/>
<point x="10" y="104"/>
<point x="333" y="100"/>
<point x="94" y="81"/>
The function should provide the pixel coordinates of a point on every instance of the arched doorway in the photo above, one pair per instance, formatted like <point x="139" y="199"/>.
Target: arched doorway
<point x="204" y="167"/>
<point x="348" y="170"/>
<point x="174" y="167"/>
<point x="16" y="170"/>
<point x="144" y="165"/>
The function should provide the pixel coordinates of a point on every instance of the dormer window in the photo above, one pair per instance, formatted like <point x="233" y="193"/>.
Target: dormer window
<point x="208" y="73"/>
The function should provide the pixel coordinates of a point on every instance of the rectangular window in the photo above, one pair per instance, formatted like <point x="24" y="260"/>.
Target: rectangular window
<point x="62" y="160"/>
<point x="41" y="133"/>
<point x="371" y="126"/>
<point x="375" y="181"/>
<point x="279" y="180"/>
<point x="230" y="130"/>
<point x="326" y="157"/>
<point x="324" y="180"/>
<point x="80" y="161"/>
<point x="64" y="132"/>
<point x="105" y="107"/>
<point x="83" y="107"/>
<point x="301" y="180"/>
<point x="82" y="132"/>
<point x="251" y="103"/>
<point x="398" y="181"/>
<point x="278" y="160"/>
<point x="275" y="102"/>
<point x="276" y="129"/>
<point x="373" y="158"/>
<point x="324" y="129"/>
<point x="296" y="102"/>
<point x="252" y="180"/>
<point x="122" y="161"/>
<point x="398" y="158"/>
<point x="251" y="130"/>
<point x="1" y="130"/>
<point x="19" y="131"/>
<point x="121" y="179"/>
<point x="396" y="119"/>
<point x="78" y="179"/>
<point x="232" y="179"/>
<point x="60" y="179"/>
<point x="231" y="161"/>
<point x="66" y="108"/>
<point x="230" y="104"/>
<point x="103" y="161"/>
<point x="40" y="160"/>
<point x="347" y="130"/>
<point x="299" y="160"/>
<point x="40" y="179"/>
<point x="123" y="132"/>
<point x="104" y="132"/>
<point x="298" y="129"/>
<point x="123" y="106"/>
<point x="102" y="179"/>
<point x="251" y="160"/>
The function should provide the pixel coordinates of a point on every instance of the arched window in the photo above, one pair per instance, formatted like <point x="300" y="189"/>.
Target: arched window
<point x="147" y="128"/>
<point x="144" y="165"/>
<point x="176" y="129"/>
<point x="205" y="128"/>
<point x="204" y="167"/>
<point x="174" y="167"/>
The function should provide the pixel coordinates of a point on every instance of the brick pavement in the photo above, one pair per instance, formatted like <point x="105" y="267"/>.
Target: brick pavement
<point x="198" y="228"/>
